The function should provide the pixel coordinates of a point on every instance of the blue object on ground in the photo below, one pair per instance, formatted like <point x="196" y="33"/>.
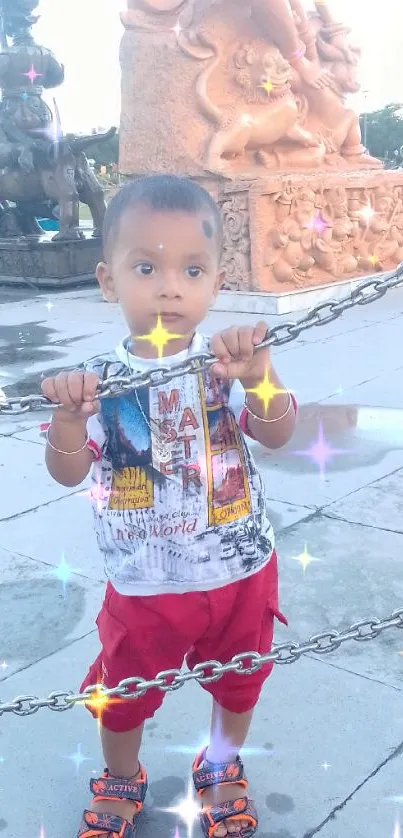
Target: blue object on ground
<point x="48" y="224"/>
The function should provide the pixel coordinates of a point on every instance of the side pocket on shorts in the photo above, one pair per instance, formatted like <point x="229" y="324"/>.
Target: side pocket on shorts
<point x="273" y="592"/>
<point x="112" y="633"/>
<point x="280" y="616"/>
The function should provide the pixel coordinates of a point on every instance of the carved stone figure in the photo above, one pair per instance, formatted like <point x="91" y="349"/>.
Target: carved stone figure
<point x="36" y="162"/>
<point x="271" y="125"/>
<point x="318" y="231"/>
<point x="249" y="97"/>
<point x="264" y="86"/>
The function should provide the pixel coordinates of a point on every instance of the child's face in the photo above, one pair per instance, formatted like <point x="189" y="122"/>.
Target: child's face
<point x="162" y="263"/>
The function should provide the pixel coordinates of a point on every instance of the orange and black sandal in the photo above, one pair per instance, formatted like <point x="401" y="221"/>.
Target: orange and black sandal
<point x="208" y="775"/>
<point x="104" y="825"/>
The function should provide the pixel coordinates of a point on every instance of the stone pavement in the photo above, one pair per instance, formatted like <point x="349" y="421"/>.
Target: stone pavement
<point x="324" y="753"/>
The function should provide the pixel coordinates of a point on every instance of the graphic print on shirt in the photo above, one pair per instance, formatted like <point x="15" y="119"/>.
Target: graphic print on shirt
<point x="129" y="451"/>
<point x="228" y="489"/>
<point x="192" y="519"/>
<point x="178" y="425"/>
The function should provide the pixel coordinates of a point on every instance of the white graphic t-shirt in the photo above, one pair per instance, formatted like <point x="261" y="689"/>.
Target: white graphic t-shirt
<point x="177" y="500"/>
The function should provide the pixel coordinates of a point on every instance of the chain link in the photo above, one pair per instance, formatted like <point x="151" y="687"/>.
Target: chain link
<point x="368" y="292"/>
<point x="207" y="671"/>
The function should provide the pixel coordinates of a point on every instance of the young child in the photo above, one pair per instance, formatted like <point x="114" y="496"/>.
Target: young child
<point x="178" y="504"/>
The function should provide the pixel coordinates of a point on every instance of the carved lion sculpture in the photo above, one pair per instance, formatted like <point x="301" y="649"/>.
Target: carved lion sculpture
<point x="267" y="116"/>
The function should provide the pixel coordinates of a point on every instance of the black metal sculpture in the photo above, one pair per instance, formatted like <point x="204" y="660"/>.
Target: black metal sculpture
<point x="37" y="163"/>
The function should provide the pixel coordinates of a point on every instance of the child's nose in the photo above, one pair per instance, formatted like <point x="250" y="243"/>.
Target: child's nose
<point x="171" y="285"/>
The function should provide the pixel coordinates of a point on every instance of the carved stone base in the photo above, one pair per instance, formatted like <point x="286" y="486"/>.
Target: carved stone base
<point x="44" y="263"/>
<point x="292" y="232"/>
<point x="263" y="304"/>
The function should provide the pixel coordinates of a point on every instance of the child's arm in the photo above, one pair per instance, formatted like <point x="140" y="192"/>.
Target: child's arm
<point x="269" y="414"/>
<point x="275" y="425"/>
<point x="68" y="469"/>
<point x="68" y="457"/>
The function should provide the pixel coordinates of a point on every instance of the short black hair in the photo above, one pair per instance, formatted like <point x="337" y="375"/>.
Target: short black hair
<point x="161" y="192"/>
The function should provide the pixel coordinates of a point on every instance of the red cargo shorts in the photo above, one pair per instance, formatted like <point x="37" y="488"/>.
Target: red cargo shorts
<point x="142" y="635"/>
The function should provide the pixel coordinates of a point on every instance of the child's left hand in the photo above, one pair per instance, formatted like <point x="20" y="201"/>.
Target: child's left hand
<point x="234" y="348"/>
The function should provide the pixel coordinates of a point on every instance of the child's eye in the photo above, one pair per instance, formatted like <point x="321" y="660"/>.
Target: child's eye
<point x="194" y="272"/>
<point x="144" y="268"/>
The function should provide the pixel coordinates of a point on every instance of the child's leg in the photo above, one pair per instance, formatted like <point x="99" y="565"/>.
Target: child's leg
<point x="121" y="755"/>
<point x="227" y="735"/>
<point x="242" y="618"/>
<point x="122" y="623"/>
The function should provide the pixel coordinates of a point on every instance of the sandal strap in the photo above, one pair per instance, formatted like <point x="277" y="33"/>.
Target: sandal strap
<point x="240" y="809"/>
<point x="101" y="824"/>
<point x="217" y="774"/>
<point x="115" y="788"/>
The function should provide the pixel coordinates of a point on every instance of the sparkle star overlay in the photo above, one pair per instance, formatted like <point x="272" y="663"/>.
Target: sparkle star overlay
<point x="320" y="452"/>
<point x="63" y="571"/>
<point x="97" y="494"/>
<point x="188" y="810"/>
<point x="318" y="224"/>
<point x="367" y="212"/>
<point x="265" y="390"/>
<point x="32" y="74"/>
<point x="246" y="119"/>
<point x="78" y="758"/>
<point x="305" y="559"/>
<point x="267" y="86"/>
<point x="159" y="337"/>
<point x="98" y="702"/>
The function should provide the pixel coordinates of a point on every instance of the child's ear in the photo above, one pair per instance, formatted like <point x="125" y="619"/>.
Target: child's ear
<point x="106" y="283"/>
<point x="219" y="281"/>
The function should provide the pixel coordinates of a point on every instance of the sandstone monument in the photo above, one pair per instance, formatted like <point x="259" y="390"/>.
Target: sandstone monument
<point x="249" y="97"/>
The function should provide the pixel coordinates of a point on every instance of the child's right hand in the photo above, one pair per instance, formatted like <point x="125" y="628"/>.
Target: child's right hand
<point x="75" y="391"/>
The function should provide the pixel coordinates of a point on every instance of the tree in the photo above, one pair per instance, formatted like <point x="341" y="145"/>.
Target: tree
<point x="383" y="130"/>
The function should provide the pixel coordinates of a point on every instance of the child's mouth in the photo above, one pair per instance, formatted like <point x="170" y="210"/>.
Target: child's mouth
<point x="170" y="317"/>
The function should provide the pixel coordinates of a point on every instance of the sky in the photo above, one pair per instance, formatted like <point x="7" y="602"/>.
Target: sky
<point x="85" y="36"/>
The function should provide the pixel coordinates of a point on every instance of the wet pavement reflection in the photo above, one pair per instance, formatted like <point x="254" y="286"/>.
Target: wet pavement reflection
<point x="338" y="438"/>
<point x="30" y="343"/>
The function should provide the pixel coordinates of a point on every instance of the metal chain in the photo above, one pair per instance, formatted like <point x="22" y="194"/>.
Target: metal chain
<point x="369" y="291"/>
<point x="207" y="671"/>
<point x="172" y="679"/>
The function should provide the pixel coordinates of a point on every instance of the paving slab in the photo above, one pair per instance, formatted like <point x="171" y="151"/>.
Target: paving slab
<point x="378" y="799"/>
<point x="73" y="540"/>
<point x="39" y="613"/>
<point x="292" y="473"/>
<point x="285" y="759"/>
<point x="381" y="391"/>
<point x="342" y="361"/>
<point x="352" y="573"/>
<point x="27" y="482"/>
<point x="378" y="505"/>
<point x="12" y="425"/>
